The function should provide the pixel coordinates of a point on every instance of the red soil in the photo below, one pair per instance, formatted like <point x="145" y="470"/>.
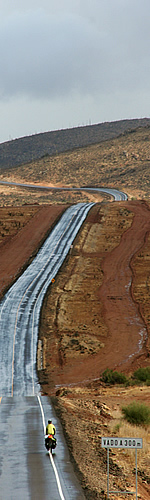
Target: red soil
<point x="16" y="251"/>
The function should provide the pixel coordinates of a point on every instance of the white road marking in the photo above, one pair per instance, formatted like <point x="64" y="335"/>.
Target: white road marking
<point x="50" y="454"/>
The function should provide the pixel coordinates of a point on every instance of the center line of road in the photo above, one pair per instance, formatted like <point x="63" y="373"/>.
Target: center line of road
<point x="50" y="454"/>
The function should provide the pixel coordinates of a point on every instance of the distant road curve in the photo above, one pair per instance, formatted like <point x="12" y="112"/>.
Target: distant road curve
<point x="117" y="195"/>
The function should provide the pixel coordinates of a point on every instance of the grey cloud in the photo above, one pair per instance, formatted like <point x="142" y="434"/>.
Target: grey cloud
<point x="103" y="48"/>
<point x="46" y="55"/>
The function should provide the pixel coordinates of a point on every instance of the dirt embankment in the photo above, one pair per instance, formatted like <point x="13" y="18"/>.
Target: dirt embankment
<point x="22" y="231"/>
<point x="92" y="319"/>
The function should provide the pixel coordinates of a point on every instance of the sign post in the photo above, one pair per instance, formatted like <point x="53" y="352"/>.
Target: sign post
<point x="114" y="442"/>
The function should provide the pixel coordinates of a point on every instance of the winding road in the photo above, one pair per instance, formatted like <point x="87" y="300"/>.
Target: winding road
<point x="26" y="472"/>
<point x="117" y="195"/>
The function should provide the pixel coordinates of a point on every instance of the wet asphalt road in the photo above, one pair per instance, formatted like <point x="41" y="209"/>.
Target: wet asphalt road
<point x="117" y="195"/>
<point x="26" y="470"/>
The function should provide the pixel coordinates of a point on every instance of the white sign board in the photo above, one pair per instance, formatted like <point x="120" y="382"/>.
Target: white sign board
<point x="113" y="442"/>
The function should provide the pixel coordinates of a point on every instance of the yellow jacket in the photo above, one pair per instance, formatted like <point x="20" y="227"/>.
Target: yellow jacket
<point x="50" y="429"/>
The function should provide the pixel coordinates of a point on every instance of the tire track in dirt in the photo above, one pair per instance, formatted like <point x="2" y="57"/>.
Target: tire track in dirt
<point x="127" y="329"/>
<point x="125" y="341"/>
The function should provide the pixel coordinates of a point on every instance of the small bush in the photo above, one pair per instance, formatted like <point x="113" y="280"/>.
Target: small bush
<point x="142" y="375"/>
<point x="117" y="428"/>
<point x="111" y="377"/>
<point x="137" y="413"/>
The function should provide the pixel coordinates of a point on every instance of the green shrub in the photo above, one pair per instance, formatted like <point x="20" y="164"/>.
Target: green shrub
<point x="137" y="413"/>
<point x="113" y="377"/>
<point x="117" y="428"/>
<point x="142" y="375"/>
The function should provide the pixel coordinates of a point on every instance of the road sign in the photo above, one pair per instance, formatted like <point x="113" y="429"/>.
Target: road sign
<point x="121" y="442"/>
<point x="113" y="442"/>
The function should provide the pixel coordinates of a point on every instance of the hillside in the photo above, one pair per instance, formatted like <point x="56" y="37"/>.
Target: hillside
<point x="96" y="313"/>
<point x="26" y="149"/>
<point x="122" y="162"/>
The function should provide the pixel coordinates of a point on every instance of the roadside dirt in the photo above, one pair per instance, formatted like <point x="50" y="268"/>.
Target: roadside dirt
<point x="22" y="232"/>
<point x="92" y="320"/>
<point x="95" y="315"/>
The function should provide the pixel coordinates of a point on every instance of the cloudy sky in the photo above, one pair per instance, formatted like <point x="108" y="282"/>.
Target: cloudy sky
<point x="65" y="63"/>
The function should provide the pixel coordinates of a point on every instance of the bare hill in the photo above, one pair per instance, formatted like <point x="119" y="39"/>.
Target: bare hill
<point x="29" y="148"/>
<point x="122" y="162"/>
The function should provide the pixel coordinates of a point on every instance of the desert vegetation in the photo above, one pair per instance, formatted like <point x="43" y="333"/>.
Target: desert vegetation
<point x="137" y="414"/>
